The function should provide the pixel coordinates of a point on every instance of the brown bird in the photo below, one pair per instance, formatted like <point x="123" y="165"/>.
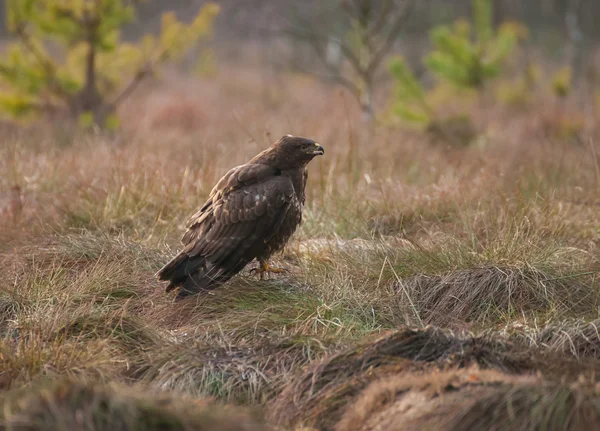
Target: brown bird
<point x="250" y="214"/>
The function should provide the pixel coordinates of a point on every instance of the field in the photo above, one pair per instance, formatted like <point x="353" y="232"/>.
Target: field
<point x="430" y="287"/>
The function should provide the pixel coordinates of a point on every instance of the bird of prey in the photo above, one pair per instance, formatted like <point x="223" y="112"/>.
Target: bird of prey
<point x="250" y="213"/>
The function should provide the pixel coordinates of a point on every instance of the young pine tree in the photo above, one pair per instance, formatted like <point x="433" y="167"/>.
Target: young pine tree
<point x="68" y="56"/>
<point x="470" y="54"/>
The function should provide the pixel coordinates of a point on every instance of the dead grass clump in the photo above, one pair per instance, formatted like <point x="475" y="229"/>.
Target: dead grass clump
<point x="71" y="405"/>
<point x="471" y="399"/>
<point x="9" y="310"/>
<point x="78" y="268"/>
<point x="249" y="374"/>
<point x="493" y="293"/>
<point x="26" y="355"/>
<point x="130" y="333"/>
<point x="86" y="247"/>
<point x="322" y="408"/>
<point x="72" y="305"/>
<point x="573" y="336"/>
<point x="404" y="400"/>
<point x="317" y="396"/>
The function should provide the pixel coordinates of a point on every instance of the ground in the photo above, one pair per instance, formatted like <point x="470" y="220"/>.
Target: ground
<point x="428" y="286"/>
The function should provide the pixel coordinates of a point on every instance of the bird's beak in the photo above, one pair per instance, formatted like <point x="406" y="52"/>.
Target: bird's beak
<point x="319" y="151"/>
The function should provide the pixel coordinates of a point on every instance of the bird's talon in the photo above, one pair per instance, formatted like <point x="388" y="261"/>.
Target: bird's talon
<point x="264" y="267"/>
<point x="277" y="270"/>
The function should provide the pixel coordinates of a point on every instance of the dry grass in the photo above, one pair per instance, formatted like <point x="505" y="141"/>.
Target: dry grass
<point x="490" y="294"/>
<point x="471" y="399"/>
<point x="576" y="337"/>
<point x="318" y="396"/>
<point x="243" y="375"/>
<point x="72" y="405"/>
<point x="398" y="233"/>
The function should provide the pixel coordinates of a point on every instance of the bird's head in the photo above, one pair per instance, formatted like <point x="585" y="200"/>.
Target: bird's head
<point x="291" y="152"/>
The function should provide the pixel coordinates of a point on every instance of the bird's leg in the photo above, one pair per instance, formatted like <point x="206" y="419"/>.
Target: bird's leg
<point x="264" y="267"/>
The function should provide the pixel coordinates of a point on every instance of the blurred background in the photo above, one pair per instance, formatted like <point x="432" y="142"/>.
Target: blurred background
<point x="345" y="43"/>
<point x="138" y="100"/>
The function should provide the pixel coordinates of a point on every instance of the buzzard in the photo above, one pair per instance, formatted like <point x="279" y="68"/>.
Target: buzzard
<point x="250" y="214"/>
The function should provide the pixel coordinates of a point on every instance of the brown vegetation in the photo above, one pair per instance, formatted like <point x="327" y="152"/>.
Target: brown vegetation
<point x="415" y="263"/>
<point x="73" y="405"/>
<point x="471" y="399"/>
<point x="325" y="390"/>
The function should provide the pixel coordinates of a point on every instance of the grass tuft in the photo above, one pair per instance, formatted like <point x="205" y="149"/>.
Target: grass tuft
<point x="68" y="404"/>
<point x="318" y="396"/>
<point x="471" y="399"/>
<point x="248" y="375"/>
<point x="576" y="337"/>
<point x="485" y="295"/>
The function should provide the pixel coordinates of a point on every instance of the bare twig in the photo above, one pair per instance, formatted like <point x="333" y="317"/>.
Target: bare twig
<point x="377" y="25"/>
<point x="391" y="37"/>
<point x="133" y="84"/>
<point x="315" y="39"/>
<point x="381" y="21"/>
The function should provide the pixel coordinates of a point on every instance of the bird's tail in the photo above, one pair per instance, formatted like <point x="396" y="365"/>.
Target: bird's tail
<point x="192" y="274"/>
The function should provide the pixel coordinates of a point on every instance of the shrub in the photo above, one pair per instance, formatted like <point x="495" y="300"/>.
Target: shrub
<point x="469" y="55"/>
<point x="98" y="70"/>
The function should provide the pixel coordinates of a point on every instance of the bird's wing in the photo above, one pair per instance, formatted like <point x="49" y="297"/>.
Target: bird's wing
<point x="236" y="178"/>
<point x="248" y="204"/>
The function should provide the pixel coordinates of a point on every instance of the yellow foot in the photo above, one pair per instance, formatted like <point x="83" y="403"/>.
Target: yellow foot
<point x="264" y="267"/>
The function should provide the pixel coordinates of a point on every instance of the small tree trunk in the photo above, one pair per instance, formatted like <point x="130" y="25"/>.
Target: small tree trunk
<point x="88" y="100"/>
<point x="482" y="106"/>
<point x="367" y="128"/>
<point x="89" y="91"/>
<point x="574" y="46"/>
<point x="366" y="104"/>
<point x="367" y="113"/>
